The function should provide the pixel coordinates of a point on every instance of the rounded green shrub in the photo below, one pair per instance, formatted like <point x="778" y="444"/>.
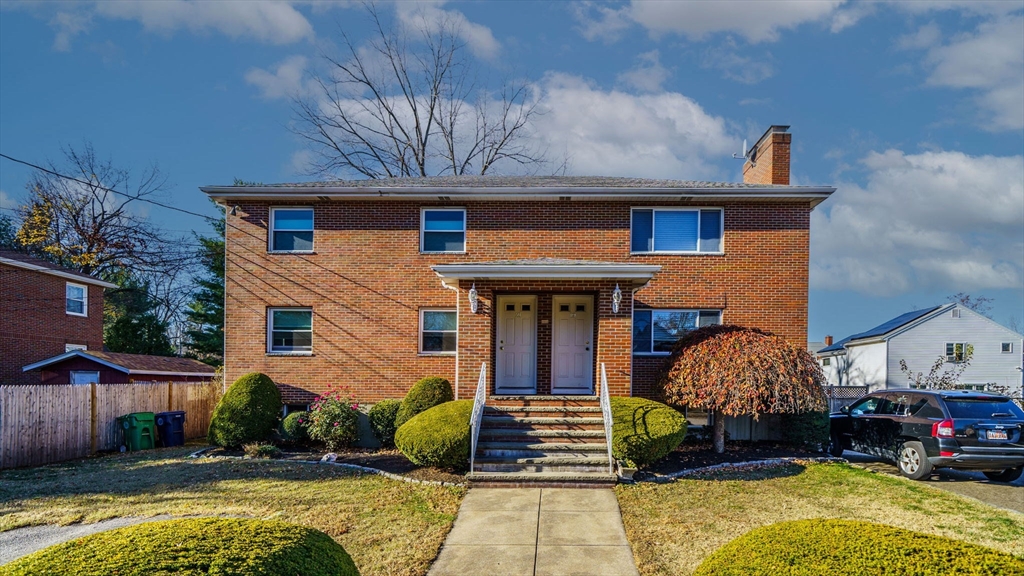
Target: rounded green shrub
<point x="248" y="412"/>
<point x="828" y="546"/>
<point x="439" y="436"/>
<point x="806" y="429"/>
<point x="382" y="418"/>
<point x="424" y="395"/>
<point x="193" y="547"/>
<point x="644" y="431"/>
<point x="293" y="427"/>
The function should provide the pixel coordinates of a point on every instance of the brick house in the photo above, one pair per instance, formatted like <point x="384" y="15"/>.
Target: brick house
<point x="373" y="284"/>
<point x="45" y="310"/>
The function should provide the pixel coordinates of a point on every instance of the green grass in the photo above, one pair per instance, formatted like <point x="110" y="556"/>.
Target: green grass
<point x="388" y="527"/>
<point x="673" y="527"/>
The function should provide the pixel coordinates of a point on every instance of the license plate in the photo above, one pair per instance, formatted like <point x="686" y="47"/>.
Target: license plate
<point x="997" y="434"/>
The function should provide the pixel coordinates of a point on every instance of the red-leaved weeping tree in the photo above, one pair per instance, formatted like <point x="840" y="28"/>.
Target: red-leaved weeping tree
<point x="737" y="371"/>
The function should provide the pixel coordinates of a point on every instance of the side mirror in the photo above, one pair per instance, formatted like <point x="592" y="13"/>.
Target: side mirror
<point x="845" y="409"/>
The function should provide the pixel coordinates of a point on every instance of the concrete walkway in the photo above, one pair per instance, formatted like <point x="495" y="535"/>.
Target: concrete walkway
<point x="537" y="532"/>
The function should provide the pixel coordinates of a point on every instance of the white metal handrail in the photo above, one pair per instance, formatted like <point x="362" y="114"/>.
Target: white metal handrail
<point x="606" y="413"/>
<point x="478" y="409"/>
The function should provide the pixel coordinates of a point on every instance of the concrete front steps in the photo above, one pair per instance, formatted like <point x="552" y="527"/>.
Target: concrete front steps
<point x="542" y="441"/>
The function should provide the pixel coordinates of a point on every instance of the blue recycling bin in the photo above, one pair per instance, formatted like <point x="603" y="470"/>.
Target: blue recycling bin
<point x="170" y="427"/>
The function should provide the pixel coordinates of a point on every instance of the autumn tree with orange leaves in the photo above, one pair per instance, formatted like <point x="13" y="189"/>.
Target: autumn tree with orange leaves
<point x="737" y="371"/>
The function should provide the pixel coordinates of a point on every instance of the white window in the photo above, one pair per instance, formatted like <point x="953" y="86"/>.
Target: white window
<point x="957" y="351"/>
<point x="826" y="361"/>
<point x="291" y="230"/>
<point x="443" y="230"/>
<point x="656" y="331"/>
<point x="84" y="377"/>
<point x="76" y="299"/>
<point x="676" y="230"/>
<point x="1007" y="347"/>
<point x="70" y="347"/>
<point x="290" y="330"/>
<point x="438" y="331"/>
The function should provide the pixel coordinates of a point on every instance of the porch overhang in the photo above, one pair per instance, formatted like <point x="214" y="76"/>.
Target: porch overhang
<point x="634" y="274"/>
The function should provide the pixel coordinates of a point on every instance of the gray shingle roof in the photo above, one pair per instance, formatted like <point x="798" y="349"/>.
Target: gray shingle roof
<point x="521" y="182"/>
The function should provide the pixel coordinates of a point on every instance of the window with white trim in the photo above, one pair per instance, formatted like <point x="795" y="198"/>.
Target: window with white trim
<point x="443" y="230"/>
<point x="70" y="347"/>
<point x="80" y="377"/>
<point x="76" y="299"/>
<point x="1006" y="347"/>
<point x="290" y="330"/>
<point x="291" y="230"/>
<point x="438" y="331"/>
<point x="957" y="351"/>
<point x="656" y="331"/>
<point x="676" y="230"/>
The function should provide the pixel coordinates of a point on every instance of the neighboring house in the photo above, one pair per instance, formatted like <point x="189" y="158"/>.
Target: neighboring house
<point x="85" y="366"/>
<point x="370" y="285"/>
<point x="45" y="310"/>
<point x="872" y="358"/>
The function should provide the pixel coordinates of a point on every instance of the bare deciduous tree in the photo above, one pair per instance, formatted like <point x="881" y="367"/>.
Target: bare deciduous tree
<point x="406" y="105"/>
<point x="940" y="376"/>
<point x="980" y="304"/>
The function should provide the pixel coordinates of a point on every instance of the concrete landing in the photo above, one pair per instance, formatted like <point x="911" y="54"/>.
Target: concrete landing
<point x="537" y="532"/>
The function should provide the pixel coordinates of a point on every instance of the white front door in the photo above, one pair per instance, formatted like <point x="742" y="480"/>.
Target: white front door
<point x="572" y="350"/>
<point x="515" y="361"/>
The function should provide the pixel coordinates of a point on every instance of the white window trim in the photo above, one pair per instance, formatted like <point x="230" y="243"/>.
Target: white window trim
<point x="465" y="228"/>
<point x="441" y="353"/>
<point x="73" y="372"/>
<point x="71" y="347"/>
<point x="945" y="345"/>
<point x="1010" y="351"/>
<point x="270" y="331"/>
<point x="697" y="209"/>
<point x="271" y="229"/>
<point x="652" y="310"/>
<point x="85" y="300"/>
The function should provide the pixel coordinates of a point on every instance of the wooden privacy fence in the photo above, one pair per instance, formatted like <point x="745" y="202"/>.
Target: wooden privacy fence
<point x="40" y="424"/>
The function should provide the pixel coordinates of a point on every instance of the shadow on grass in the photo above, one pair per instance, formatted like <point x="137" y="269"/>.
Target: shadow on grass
<point x="753" y="474"/>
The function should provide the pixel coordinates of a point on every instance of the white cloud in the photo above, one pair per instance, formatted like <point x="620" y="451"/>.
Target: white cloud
<point x="935" y="220"/>
<point x="734" y="66"/>
<point x="925" y="37"/>
<point x="68" y="25"/>
<point x="597" y="21"/>
<point x="648" y="75"/>
<point x="427" y="15"/>
<point x="285" y="81"/>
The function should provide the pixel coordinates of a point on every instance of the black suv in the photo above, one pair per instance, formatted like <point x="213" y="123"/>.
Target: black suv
<point x="922" y="430"/>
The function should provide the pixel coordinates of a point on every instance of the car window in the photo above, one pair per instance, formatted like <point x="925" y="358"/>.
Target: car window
<point x="982" y="408"/>
<point x="925" y="407"/>
<point x="894" y="405"/>
<point x="865" y="406"/>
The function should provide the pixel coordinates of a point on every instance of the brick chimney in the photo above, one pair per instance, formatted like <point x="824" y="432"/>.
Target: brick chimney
<point x="828" y="340"/>
<point x="768" y="160"/>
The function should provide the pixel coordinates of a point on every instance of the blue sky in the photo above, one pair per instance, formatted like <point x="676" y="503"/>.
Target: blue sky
<point x="914" y="111"/>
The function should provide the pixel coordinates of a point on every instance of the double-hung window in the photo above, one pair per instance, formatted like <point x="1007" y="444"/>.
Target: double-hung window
<point x="957" y="351"/>
<point x="656" y="331"/>
<point x="290" y="330"/>
<point x="291" y="229"/>
<point x="76" y="299"/>
<point x="676" y="230"/>
<point x="438" y="331"/>
<point x="443" y="230"/>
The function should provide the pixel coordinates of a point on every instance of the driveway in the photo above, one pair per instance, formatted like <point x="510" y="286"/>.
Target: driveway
<point x="971" y="484"/>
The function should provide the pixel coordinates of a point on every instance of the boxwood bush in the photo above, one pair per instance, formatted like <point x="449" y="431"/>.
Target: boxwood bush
<point x="293" y="427"/>
<point x="382" y="421"/>
<point x="828" y="546"/>
<point x="644" y="431"/>
<point x="439" y="436"/>
<point x="806" y="430"/>
<point x="248" y="412"/>
<point x="194" y="546"/>
<point x="425" y="394"/>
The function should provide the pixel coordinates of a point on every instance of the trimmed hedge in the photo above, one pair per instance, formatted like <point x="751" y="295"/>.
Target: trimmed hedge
<point x="292" y="429"/>
<point x="424" y="395"/>
<point x="644" y="431"/>
<point x="382" y="418"/>
<point x="248" y="412"/>
<point x="194" y="546"/>
<point x="438" y="437"/>
<point x="823" y="546"/>
<point x="807" y="429"/>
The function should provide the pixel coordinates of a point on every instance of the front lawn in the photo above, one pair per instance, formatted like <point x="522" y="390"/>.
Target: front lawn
<point x="673" y="527"/>
<point x="388" y="527"/>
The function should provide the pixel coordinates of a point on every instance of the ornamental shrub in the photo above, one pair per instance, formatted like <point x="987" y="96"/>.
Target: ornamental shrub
<point x="807" y="429"/>
<point x="644" y="431"/>
<point x="293" y="427"/>
<point x="382" y="421"/>
<point x="194" y="547"/>
<point x="439" y="436"/>
<point x="826" y="546"/>
<point x="334" y="420"/>
<point x="248" y="412"/>
<point x="261" y="450"/>
<point x="425" y="394"/>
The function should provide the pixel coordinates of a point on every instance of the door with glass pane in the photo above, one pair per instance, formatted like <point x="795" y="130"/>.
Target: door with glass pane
<point x="572" y="347"/>
<point x="515" y="356"/>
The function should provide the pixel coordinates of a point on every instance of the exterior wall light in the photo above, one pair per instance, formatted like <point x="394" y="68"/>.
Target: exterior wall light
<point x="616" y="299"/>
<point x="472" y="299"/>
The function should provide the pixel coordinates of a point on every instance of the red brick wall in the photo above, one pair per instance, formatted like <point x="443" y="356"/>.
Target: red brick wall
<point x="34" y="325"/>
<point x="367" y="282"/>
<point x="771" y="162"/>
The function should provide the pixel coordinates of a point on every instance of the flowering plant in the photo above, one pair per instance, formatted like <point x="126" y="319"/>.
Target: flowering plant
<point x="333" y="419"/>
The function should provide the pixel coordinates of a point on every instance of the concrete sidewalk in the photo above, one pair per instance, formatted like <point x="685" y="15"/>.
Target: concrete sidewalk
<point x="537" y="532"/>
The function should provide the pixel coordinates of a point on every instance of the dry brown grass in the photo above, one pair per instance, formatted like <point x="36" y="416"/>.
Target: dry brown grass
<point x="388" y="527"/>
<point x="674" y="527"/>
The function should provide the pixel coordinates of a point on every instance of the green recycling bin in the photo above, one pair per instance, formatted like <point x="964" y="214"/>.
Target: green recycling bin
<point x="138" y="431"/>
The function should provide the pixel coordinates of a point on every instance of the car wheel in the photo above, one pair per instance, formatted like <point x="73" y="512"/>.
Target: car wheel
<point x="1008" y="475"/>
<point x="913" y="462"/>
<point x="835" y="446"/>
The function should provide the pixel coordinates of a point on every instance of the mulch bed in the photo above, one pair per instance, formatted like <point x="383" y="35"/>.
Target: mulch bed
<point x="689" y="456"/>
<point x="387" y="460"/>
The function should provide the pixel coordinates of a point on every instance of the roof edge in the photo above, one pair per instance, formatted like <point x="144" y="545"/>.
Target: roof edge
<point x="67" y="275"/>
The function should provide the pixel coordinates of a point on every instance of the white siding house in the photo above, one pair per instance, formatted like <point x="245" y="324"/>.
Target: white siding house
<point x="872" y="358"/>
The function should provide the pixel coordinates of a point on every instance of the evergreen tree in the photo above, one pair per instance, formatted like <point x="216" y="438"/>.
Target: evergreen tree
<point x="206" y="311"/>
<point x="131" y="323"/>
